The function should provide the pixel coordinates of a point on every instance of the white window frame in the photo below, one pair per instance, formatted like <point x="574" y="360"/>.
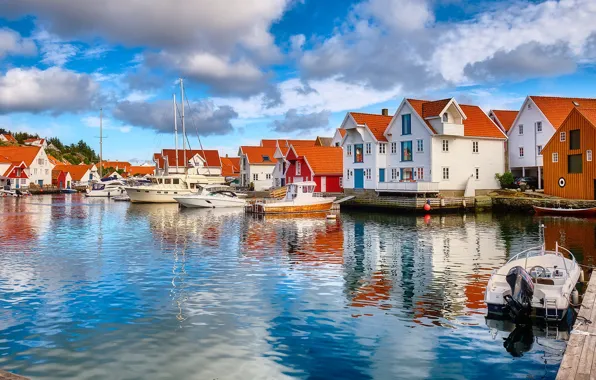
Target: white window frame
<point x="382" y="148"/>
<point x="298" y="168"/>
<point x="349" y="150"/>
<point x="539" y="126"/>
<point x="521" y="151"/>
<point x="445" y="146"/>
<point x="555" y="157"/>
<point x="445" y="173"/>
<point x="341" y="182"/>
<point x="477" y="173"/>
<point x="562" y="137"/>
<point x="475" y="147"/>
<point x="368" y="174"/>
<point x="368" y="148"/>
<point x="520" y="129"/>
<point x="539" y="150"/>
<point x="255" y="176"/>
<point x="589" y="155"/>
<point x="393" y="148"/>
<point x="420" y="174"/>
<point x="419" y="146"/>
<point x="267" y="176"/>
<point x="394" y="174"/>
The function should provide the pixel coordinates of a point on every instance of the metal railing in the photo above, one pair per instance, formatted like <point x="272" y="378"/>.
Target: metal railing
<point x="419" y="186"/>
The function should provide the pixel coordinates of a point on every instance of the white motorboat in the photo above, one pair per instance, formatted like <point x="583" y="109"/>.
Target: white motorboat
<point x="535" y="282"/>
<point x="106" y="189"/>
<point x="300" y="198"/>
<point x="163" y="189"/>
<point x="212" y="196"/>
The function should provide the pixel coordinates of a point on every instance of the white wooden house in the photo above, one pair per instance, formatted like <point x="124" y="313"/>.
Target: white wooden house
<point x="256" y="166"/>
<point x="38" y="166"/>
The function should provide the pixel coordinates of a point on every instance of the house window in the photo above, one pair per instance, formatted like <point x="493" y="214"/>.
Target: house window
<point x="562" y="136"/>
<point x="574" y="139"/>
<point x="588" y="155"/>
<point x="445" y="117"/>
<point x="538" y="126"/>
<point x="341" y="181"/>
<point x="393" y="148"/>
<point x="477" y="173"/>
<point x="406" y="124"/>
<point x="23" y="181"/>
<point x="555" y="157"/>
<point x="358" y="158"/>
<point x="419" y="174"/>
<point x="539" y="149"/>
<point x="474" y="146"/>
<point x="445" y="145"/>
<point x="368" y="173"/>
<point x="521" y="151"/>
<point x="47" y="171"/>
<point x="255" y="177"/>
<point x="574" y="163"/>
<point x="419" y="145"/>
<point x="445" y="174"/>
<point x="35" y="171"/>
<point x="298" y="168"/>
<point x="267" y="176"/>
<point x="382" y="148"/>
<point x="406" y="151"/>
<point x="521" y="129"/>
<point x="394" y="174"/>
<point x="347" y="174"/>
<point x="349" y="150"/>
<point x="368" y="148"/>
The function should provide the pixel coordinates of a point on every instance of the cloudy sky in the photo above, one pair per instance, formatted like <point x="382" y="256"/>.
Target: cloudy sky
<point x="274" y="68"/>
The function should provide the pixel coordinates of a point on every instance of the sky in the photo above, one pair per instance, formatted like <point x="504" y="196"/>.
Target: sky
<point x="256" y="69"/>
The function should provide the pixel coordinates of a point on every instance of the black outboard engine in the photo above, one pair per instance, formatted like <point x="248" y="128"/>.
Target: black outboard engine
<point x="522" y="291"/>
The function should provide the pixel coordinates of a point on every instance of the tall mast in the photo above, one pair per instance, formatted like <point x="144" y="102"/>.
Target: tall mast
<point x="175" y="131"/>
<point x="183" y="126"/>
<point x="100" y="142"/>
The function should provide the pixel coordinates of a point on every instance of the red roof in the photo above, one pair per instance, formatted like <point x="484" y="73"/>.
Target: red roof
<point x="141" y="170"/>
<point x="323" y="160"/>
<point x="257" y="154"/>
<point x="477" y="123"/>
<point x="77" y="172"/>
<point x="557" y="109"/>
<point x="377" y="124"/>
<point x="12" y="173"/>
<point x="210" y="156"/>
<point x="20" y="153"/>
<point x="9" y="138"/>
<point x="505" y="117"/>
<point x="230" y="166"/>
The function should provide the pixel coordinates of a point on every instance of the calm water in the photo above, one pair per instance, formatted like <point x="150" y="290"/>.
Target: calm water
<point x="93" y="289"/>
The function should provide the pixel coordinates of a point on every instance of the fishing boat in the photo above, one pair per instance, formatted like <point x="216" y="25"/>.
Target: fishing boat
<point x="300" y="198"/>
<point x="578" y="212"/>
<point x="534" y="283"/>
<point x="106" y="189"/>
<point x="212" y="196"/>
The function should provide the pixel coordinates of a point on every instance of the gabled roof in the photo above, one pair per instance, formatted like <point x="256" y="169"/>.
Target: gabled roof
<point x="377" y="124"/>
<point x="230" y="166"/>
<point x="322" y="160"/>
<point x="341" y="131"/>
<point x="476" y="123"/>
<point x="505" y="117"/>
<point x="211" y="157"/>
<point x="20" y="153"/>
<point x="256" y="154"/>
<point x="9" y="138"/>
<point x="557" y="109"/>
<point x="10" y="173"/>
<point x="77" y="172"/>
<point x="323" y="141"/>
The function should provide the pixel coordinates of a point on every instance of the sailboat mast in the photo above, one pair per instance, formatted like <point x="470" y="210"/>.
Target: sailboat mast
<point x="183" y="126"/>
<point x="100" y="143"/>
<point x="175" y="131"/>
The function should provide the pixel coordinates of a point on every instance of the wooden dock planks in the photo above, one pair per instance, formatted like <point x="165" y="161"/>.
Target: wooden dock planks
<point x="11" y="376"/>
<point x="579" y="361"/>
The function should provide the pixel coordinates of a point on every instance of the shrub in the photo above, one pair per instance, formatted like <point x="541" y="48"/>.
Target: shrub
<point x="505" y="180"/>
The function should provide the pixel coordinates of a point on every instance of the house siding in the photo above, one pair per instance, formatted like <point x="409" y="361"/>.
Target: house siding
<point x="360" y="135"/>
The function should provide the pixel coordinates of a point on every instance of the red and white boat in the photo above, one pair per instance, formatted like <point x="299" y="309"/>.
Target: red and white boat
<point x="578" y="212"/>
<point x="300" y="198"/>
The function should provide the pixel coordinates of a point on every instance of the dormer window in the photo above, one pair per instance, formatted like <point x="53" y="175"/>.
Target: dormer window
<point x="266" y="158"/>
<point x="445" y="117"/>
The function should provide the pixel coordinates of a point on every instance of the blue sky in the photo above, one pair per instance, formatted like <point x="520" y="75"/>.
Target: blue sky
<point x="274" y="68"/>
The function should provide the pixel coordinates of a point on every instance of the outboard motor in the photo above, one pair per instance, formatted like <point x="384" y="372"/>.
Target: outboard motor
<point x="522" y="291"/>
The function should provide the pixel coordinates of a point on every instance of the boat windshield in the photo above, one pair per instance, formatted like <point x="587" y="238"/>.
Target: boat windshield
<point x="98" y="186"/>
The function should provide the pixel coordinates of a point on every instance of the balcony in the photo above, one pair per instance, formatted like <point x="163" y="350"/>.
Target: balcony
<point x="409" y="187"/>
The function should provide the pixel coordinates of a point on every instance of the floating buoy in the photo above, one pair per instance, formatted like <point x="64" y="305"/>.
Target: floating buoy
<point x="575" y="297"/>
<point x="426" y="207"/>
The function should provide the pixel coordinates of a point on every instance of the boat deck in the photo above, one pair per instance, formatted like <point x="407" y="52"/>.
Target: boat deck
<point x="579" y="361"/>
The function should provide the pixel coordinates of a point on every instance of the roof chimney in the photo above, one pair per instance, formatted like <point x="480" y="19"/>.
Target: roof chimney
<point x="385" y="112"/>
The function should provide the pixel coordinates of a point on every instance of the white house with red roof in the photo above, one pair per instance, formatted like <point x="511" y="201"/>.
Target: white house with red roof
<point x="281" y="163"/>
<point x="198" y="161"/>
<point x="38" y="166"/>
<point x="36" y="142"/>
<point x="257" y="164"/>
<point x="8" y="138"/>
<point x="12" y="174"/>
<point x="536" y="123"/>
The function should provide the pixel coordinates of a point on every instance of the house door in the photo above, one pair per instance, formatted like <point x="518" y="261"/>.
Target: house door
<point x="323" y="184"/>
<point x="382" y="175"/>
<point x="358" y="178"/>
<point x="40" y="182"/>
<point x="283" y="181"/>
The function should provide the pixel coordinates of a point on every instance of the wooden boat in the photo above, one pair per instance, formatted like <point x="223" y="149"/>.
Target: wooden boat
<point x="300" y="198"/>
<point x="579" y="212"/>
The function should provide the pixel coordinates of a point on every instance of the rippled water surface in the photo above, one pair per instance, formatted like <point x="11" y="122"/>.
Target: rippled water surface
<point x="93" y="289"/>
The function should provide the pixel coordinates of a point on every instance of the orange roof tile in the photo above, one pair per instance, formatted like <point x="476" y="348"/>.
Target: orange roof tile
<point x="505" y="117"/>
<point x="20" y="153"/>
<point x="256" y="154"/>
<point x="342" y="132"/>
<point x="141" y="170"/>
<point x="322" y="159"/>
<point x="211" y="157"/>
<point x="77" y="172"/>
<point x="377" y="124"/>
<point x="269" y="143"/>
<point x="557" y="109"/>
<point x="9" y="172"/>
<point x="230" y="166"/>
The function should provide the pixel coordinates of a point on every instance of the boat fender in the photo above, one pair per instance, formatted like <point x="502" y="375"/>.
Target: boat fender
<point x="575" y="297"/>
<point x="581" y="276"/>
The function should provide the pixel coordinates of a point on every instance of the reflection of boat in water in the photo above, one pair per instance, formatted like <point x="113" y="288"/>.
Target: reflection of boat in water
<point x="300" y="198"/>
<point x="68" y="191"/>
<point x="106" y="189"/>
<point x="212" y="196"/>
<point x="577" y="212"/>
<point x="535" y="282"/>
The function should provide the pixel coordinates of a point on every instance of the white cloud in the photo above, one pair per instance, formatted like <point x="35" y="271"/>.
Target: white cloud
<point x="55" y="51"/>
<point x="139" y="96"/>
<point x="11" y="43"/>
<point x="399" y="14"/>
<point x="96" y="52"/>
<point x="107" y="124"/>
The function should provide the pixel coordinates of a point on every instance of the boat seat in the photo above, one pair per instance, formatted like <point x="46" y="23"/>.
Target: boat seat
<point x="543" y="281"/>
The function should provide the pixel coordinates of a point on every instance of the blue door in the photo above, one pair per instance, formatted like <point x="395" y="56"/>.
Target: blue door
<point x="381" y="175"/>
<point x="358" y="178"/>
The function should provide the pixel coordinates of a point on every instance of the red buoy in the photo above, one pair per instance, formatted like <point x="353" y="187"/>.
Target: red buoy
<point x="426" y="207"/>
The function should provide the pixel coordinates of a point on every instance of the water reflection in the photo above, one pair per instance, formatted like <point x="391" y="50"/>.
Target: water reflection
<point x="90" y="286"/>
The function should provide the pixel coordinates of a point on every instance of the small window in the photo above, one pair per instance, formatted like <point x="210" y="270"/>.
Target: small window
<point x="574" y="139"/>
<point x="349" y="150"/>
<point x="394" y="174"/>
<point x="588" y="155"/>
<point x="358" y="153"/>
<point x="474" y="146"/>
<point x="562" y="136"/>
<point x="266" y="159"/>
<point x="420" y="174"/>
<point x="347" y="174"/>
<point x="539" y="150"/>
<point x="574" y="163"/>
<point x="477" y="173"/>
<point x="445" y="174"/>
<point x="555" y="157"/>
<point x="445" y="145"/>
<point x="176" y="181"/>
<point x="267" y="176"/>
<point x="393" y="148"/>
<point x="406" y="124"/>
<point x="341" y="181"/>
<point x="382" y="148"/>
<point x="298" y="168"/>
<point x="445" y="117"/>
<point x="419" y="145"/>
<point x="167" y="181"/>
<point x="255" y="177"/>
<point x="529" y="106"/>
<point x="368" y="173"/>
<point x="368" y="148"/>
<point x="521" y="151"/>
<point x="538" y="126"/>
<point x="521" y="129"/>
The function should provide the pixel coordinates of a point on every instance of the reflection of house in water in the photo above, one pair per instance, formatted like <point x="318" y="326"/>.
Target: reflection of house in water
<point x="577" y="235"/>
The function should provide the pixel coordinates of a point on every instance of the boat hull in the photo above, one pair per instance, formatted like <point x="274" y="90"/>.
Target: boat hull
<point x="580" y="212"/>
<point x="105" y="193"/>
<point x="293" y="208"/>
<point x="209" y="202"/>
<point x="148" y="195"/>
<point x="537" y="312"/>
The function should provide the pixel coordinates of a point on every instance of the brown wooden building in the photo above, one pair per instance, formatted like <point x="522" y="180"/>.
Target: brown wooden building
<point x="569" y="170"/>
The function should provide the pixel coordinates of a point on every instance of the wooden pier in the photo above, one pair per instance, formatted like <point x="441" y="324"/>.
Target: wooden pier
<point x="11" y="376"/>
<point x="579" y="361"/>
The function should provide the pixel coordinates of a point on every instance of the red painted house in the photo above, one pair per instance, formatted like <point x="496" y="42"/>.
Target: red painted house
<point x="14" y="177"/>
<point x="322" y="164"/>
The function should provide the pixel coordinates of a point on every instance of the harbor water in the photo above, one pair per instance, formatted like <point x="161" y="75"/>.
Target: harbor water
<point x="96" y="289"/>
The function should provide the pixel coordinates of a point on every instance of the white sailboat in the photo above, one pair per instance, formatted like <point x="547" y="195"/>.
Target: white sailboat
<point x="165" y="187"/>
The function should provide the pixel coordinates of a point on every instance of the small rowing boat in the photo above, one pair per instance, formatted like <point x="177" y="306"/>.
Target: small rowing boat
<point x="579" y="212"/>
<point x="300" y="198"/>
